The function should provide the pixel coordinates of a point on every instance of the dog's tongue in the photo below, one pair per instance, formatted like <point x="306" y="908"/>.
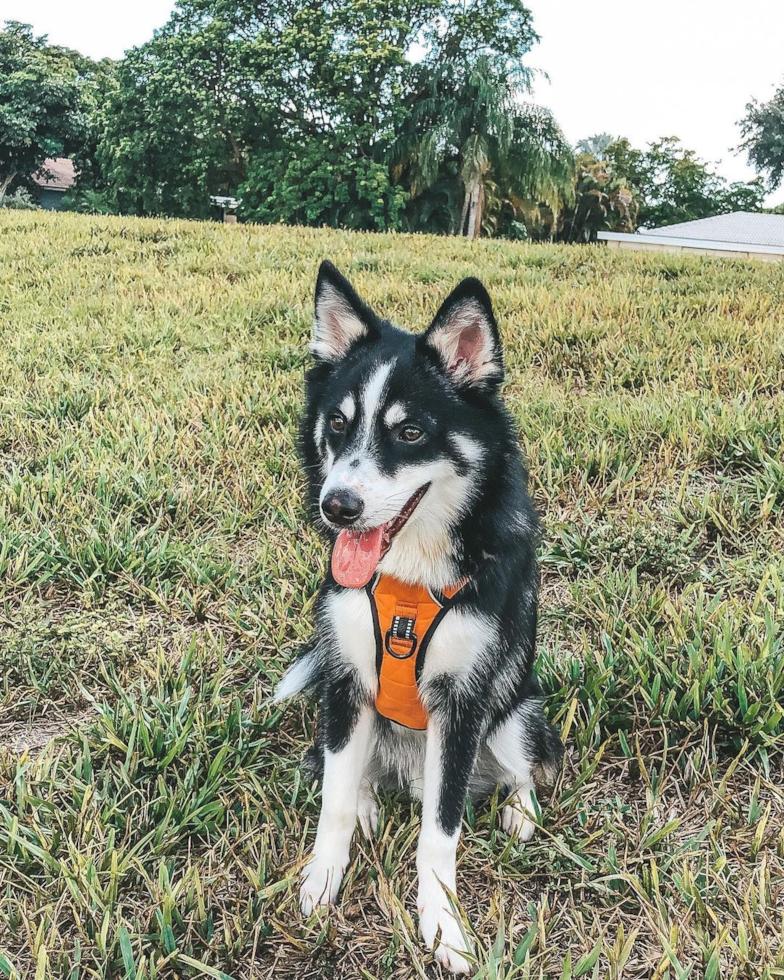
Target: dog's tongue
<point x="355" y="557"/>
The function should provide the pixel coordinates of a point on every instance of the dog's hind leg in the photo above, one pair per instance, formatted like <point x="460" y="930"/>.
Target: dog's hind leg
<point x="525" y="746"/>
<point x="347" y="725"/>
<point x="518" y="814"/>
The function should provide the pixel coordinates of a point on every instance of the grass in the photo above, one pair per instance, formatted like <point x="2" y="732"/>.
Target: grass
<point x="157" y="574"/>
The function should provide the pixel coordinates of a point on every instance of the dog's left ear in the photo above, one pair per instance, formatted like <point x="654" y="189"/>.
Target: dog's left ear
<point x="465" y="337"/>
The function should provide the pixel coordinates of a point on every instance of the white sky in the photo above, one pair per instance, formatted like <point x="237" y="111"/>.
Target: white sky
<point x="651" y="68"/>
<point x="97" y="28"/>
<point x="638" y="68"/>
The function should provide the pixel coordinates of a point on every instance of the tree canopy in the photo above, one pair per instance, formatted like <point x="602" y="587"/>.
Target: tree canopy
<point x="366" y="114"/>
<point x="620" y="187"/>
<point x="340" y="114"/>
<point x="762" y="129"/>
<point x="40" y="105"/>
<point x="672" y="184"/>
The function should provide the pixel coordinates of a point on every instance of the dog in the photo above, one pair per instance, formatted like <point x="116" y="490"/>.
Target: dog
<point x="422" y="658"/>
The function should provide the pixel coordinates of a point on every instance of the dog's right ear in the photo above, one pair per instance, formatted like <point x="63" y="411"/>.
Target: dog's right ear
<point x="341" y="319"/>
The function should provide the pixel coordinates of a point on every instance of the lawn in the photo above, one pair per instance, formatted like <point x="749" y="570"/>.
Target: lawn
<point x="157" y="575"/>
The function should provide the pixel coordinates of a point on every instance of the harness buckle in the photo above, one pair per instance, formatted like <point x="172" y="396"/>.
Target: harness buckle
<point x="402" y="628"/>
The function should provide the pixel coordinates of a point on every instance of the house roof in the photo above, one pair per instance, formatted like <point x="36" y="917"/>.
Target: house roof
<point x="739" y="228"/>
<point x="62" y="171"/>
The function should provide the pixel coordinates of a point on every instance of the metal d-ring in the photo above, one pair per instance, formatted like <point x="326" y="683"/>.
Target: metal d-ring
<point x="400" y="656"/>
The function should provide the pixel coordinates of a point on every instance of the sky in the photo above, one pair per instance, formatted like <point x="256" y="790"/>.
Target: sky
<point x="96" y="28"/>
<point x="638" y="68"/>
<point x="651" y="68"/>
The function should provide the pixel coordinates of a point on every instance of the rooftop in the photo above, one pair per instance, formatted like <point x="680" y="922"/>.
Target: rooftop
<point x="63" y="174"/>
<point x="739" y="228"/>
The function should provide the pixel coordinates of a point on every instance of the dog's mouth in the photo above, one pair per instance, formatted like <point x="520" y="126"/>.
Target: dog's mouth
<point x="356" y="554"/>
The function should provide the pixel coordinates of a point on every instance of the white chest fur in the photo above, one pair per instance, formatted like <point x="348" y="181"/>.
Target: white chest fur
<point x="351" y="625"/>
<point x="458" y="641"/>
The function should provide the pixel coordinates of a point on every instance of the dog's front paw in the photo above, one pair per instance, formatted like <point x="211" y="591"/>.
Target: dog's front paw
<point x="434" y="919"/>
<point x="319" y="884"/>
<point x="516" y="823"/>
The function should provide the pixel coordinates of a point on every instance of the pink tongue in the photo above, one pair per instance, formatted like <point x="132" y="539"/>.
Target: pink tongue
<point x="355" y="557"/>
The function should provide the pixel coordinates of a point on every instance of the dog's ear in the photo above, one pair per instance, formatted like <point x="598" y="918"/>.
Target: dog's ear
<point x="341" y="318"/>
<point x="465" y="337"/>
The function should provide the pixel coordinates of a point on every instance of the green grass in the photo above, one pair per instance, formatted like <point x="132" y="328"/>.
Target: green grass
<point x="157" y="574"/>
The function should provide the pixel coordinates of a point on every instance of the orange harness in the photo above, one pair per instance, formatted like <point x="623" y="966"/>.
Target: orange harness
<point x="405" y="617"/>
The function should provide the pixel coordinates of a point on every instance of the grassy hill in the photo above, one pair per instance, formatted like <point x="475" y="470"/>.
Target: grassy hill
<point x="157" y="574"/>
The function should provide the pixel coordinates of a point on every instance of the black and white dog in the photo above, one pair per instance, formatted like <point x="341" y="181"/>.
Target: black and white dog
<point x="416" y="476"/>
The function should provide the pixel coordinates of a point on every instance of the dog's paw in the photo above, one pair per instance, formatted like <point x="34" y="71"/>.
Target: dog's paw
<point x="449" y="954"/>
<point x="319" y="885"/>
<point x="368" y="814"/>
<point x="516" y="823"/>
<point x="438" y="925"/>
<point x="434" y="919"/>
<point x="516" y="815"/>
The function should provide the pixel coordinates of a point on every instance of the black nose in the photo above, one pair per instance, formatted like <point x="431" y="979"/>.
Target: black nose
<point x="342" y="508"/>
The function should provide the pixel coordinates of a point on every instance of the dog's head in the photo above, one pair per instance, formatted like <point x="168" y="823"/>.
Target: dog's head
<point x="399" y="429"/>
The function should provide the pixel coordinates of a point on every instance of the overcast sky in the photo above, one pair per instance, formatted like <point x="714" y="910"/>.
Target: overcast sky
<point x="637" y="68"/>
<point x="646" y="69"/>
<point x="97" y="28"/>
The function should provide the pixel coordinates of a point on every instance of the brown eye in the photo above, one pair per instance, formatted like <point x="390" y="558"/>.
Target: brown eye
<point x="337" y="422"/>
<point x="410" y="433"/>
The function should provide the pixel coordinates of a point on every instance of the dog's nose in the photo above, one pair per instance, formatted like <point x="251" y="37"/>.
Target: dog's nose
<point x="342" y="508"/>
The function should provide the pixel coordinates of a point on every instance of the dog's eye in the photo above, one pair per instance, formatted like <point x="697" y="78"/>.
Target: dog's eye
<point x="410" y="433"/>
<point x="337" y="422"/>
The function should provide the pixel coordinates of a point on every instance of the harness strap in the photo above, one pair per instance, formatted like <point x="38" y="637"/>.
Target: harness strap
<point x="404" y="618"/>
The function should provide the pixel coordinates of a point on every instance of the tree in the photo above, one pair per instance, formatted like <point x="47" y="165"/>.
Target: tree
<point x="178" y="125"/>
<point x="97" y="81"/>
<point x="230" y="96"/>
<point x="315" y="113"/>
<point x="535" y="175"/>
<point x="334" y="85"/>
<point x="602" y="202"/>
<point x="762" y="129"/>
<point x="672" y="184"/>
<point x="40" y="109"/>
<point x="595" y="146"/>
<point x="467" y="118"/>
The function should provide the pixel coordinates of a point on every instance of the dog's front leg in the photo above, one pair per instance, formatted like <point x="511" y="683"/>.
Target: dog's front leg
<point x="452" y="745"/>
<point x="347" y="722"/>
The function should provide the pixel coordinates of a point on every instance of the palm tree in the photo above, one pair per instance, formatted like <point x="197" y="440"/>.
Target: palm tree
<point x="596" y="146"/>
<point x="472" y="115"/>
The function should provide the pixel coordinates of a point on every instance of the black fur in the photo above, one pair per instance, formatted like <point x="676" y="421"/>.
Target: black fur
<point x="494" y="540"/>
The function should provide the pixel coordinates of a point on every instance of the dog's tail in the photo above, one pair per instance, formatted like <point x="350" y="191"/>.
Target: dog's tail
<point x="301" y="676"/>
